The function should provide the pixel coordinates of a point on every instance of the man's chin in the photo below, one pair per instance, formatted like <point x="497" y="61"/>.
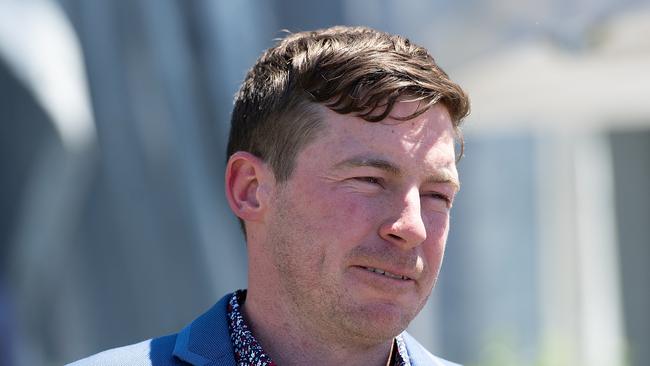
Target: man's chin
<point x="380" y="322"/>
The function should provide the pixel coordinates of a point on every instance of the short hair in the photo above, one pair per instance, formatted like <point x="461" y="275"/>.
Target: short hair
<point x="354" y="70"/>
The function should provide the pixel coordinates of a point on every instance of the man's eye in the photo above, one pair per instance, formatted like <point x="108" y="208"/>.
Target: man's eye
<point x="371" y="180"/>
<point x="440" y="197"/>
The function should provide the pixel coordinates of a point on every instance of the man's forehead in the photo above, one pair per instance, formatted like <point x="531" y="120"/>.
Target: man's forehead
<point x="425" y="142"/>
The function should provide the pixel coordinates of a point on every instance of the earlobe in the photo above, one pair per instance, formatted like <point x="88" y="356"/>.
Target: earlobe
<point x="245" y="174"/>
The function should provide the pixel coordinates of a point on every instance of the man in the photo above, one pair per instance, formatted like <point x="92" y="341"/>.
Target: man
<point x="341" y="168"/>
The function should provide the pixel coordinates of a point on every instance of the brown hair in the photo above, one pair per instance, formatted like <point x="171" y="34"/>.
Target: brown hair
<point x="349" y="70"/>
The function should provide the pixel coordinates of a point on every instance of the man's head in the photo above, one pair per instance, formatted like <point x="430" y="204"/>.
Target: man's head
<point x="357" y="71"/>
<point x="342" y="164"/>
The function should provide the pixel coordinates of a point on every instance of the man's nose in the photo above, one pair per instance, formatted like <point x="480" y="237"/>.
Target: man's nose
<point x="405" y="227"/>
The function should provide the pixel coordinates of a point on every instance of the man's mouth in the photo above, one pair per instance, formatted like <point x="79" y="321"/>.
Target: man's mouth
<point x="387" y="274"/>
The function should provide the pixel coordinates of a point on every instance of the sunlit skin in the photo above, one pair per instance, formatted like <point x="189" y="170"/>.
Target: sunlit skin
<point x="362" y="198"/>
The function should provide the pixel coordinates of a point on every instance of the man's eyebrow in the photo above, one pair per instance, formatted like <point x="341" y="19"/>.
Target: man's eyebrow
<point x="369" y="162"/>
<point x="444" y="176"/>
<point x="438" y="176"/>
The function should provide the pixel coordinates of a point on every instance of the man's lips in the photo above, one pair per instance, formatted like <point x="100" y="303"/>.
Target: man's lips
<point x="396" y="276"/>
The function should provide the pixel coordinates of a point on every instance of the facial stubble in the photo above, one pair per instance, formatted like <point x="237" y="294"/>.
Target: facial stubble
<point x="314" y="296"/>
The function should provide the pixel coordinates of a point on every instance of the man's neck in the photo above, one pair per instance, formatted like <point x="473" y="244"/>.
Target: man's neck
<point x="288" y="341"/>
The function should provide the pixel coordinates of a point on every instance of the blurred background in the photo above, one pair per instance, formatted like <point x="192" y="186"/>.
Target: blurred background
<point x="113" y="122"/>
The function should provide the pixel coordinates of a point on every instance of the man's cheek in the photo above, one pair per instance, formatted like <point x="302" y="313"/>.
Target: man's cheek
<point x="340" y="214"/>
<point x="437" y="227"/>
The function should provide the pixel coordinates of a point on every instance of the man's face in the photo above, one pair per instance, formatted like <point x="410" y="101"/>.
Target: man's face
<point x="357" y="233"/>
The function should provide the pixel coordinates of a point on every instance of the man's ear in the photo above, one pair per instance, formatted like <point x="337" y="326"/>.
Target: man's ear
<point x="248" y="180"/>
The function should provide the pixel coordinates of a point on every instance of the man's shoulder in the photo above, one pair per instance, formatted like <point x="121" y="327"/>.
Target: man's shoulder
<point x="420" y="356"/>
<point x="204" y="340"/>
<point x="156" y="351"/>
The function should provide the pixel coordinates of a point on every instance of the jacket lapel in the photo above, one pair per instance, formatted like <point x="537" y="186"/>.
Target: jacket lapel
<point x="206" y="341"/>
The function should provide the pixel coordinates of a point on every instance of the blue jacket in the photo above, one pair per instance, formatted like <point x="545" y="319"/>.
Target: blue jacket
<point x="206" y="341"/>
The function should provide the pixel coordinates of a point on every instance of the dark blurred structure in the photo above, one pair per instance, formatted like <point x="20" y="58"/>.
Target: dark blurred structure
<point x="113" y="121"/>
